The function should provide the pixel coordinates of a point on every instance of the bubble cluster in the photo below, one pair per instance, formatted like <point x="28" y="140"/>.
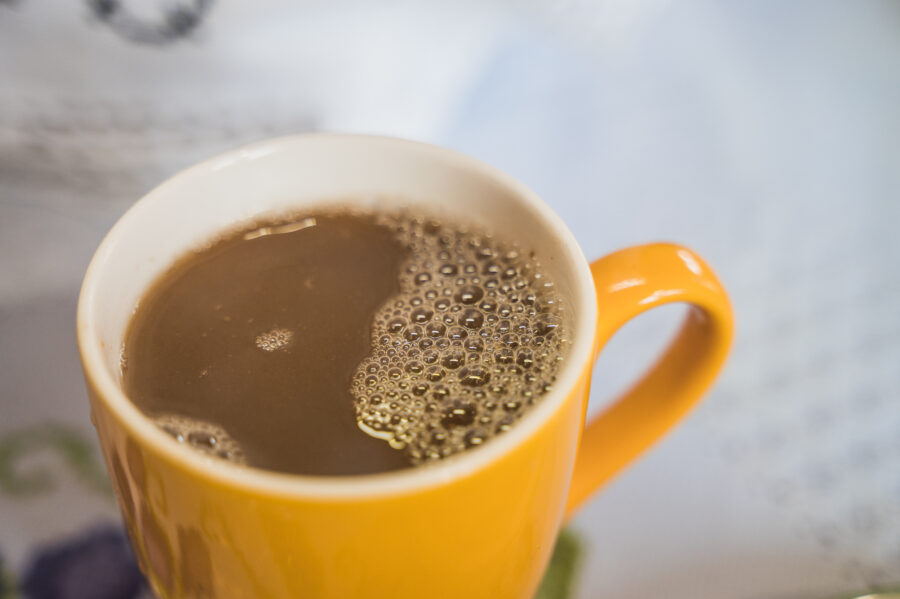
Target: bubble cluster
<point x="274" y="340"/>
<point x="473" y="339"/>
<point x="203" y="436"/>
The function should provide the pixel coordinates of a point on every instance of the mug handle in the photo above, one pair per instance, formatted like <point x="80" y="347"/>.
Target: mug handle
<point x="629" y="282"/>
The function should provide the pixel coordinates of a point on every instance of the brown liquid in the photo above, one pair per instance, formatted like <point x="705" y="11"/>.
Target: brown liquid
<point x="344" y="343"/>
<point x="192" y="345"/>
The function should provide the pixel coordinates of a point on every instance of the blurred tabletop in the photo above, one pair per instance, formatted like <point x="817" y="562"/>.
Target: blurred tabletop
<point x="765" y="135"/>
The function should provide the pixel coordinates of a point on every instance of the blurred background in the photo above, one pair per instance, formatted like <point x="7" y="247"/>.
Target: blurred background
<point x="765" y="135"/>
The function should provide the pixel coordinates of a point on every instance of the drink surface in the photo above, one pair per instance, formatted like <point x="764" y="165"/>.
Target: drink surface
<point x="343" y="342"/>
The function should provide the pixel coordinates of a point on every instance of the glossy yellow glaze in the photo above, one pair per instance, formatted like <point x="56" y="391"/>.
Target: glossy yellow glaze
<point x="629" y="282"/>
<point x="482" y="533"/>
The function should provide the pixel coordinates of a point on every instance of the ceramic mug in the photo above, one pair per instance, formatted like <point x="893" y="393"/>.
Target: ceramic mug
<point x="480" y="524"/>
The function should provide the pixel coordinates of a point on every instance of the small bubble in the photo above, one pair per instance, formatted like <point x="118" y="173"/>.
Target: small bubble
<point x="474" y="344"/>
<point x="458" y="414"/>
<point x="504" y="356"/>
<point x="414" y="367"/>
<point x="457" y="333"/>
<point x="510" y="340"/>
<point x="475" y="437"/>
<point x="488" y="305"/>
<point x="453" y="359"/>
<point x="546" y="324"/>
<point x="469" y="294"/>
<point x="546" y="305"/>
<point x="175" y="433"/>
<point x="484" y="252"/>
<point x="491" y="268"/>
<point x="201" y="439"/>
<point x="421" y="315"/>
<point x="525" y="358"/>
<point x="435" y="329"/>
<point x="434" y="373"/>
<point x="471" y="318"/>
<point x="474" y="376"/>
<point x="422" y="278"/>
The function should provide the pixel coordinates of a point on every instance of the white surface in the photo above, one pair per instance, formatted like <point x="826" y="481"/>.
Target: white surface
<point x="766" y="135"/>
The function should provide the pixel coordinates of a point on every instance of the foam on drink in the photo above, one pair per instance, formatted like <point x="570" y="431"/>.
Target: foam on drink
<point x="206" y="437"/>
<point x="469" y="345"/>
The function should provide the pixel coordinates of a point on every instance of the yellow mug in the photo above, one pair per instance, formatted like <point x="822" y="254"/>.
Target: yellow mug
<point x="481" y="524"/>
